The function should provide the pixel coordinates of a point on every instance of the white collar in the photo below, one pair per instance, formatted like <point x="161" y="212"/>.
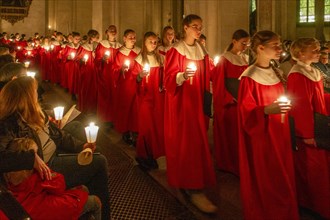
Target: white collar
<point x="306" y="70"/>
<point x="261" y="75"/>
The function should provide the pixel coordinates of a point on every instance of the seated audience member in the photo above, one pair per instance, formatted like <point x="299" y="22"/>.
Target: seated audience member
<point x="21" y="116"/>
<point x="324" y="67"/>
<point x="43" y="199"/>
<point x="11" y="71"/>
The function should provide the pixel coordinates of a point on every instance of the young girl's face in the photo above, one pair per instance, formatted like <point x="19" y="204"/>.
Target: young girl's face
<point x="310" y="54"/>
<point x="194" y="29"/>
<point x="151" y="43"/>
<point x="95" y="39"/>
<point x="241" y="44"/>
<point x="169" y="36"/>
<point x="272" y="49"/>
<point x="130" y="39"/>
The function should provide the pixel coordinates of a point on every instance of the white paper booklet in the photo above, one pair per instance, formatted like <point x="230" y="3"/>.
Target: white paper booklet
<point x="69" y="116"/>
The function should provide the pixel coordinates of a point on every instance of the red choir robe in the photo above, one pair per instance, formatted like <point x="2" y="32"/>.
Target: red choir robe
<point x="225" y="130"/>
<point x="69" y="66"/>
<point x="125" y="112"/>
<point x="105" y="80"/>
<point x="311" y="163"/>
<point x="189" y="162"/>
<point x="49" y="199"/>
<point x="87" y="88"/>
<point x="45" y="62"/>
<point x="163" y="50"/>
<point x="267" y="180"/>
<point x="29" y="54"/>
<point x="55" y="70"/>
<point x="151" y="97"/>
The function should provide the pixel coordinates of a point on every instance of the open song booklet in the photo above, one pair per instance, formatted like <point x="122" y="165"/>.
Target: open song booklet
<point x="69" y="116"/>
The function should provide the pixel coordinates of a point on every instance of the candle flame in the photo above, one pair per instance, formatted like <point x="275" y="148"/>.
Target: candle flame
<point x="192" y="66"/>
<point x="127" y="63"/>
<point x="283" y="99"/>
<point x="146" y="67"/>
<point x="73" y="54"/>
<point x="86" y="57"/>
<point x="58" y="112"/>
<point x="216" y="60"/>
<point x="107" y="53"/>
<point x="31" y="74"/>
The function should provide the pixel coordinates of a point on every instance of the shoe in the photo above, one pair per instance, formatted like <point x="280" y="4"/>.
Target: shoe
<point x="161" y="161"/>
<point x="203" y="203"/>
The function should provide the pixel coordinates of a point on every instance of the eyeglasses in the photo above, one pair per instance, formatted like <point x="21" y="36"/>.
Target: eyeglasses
<point x="197" y="28"/>
<point x="246" y="44"/>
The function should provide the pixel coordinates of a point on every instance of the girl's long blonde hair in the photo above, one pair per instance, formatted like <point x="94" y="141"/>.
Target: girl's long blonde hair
<point x="19" y="96"/>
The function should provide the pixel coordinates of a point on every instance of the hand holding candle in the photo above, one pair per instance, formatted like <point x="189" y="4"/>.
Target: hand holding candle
<point x="190" y="71"/>
<point x="31" y="74"/>
<point x="146" y="71"/>
<point x="72" y="55"/>
<point x="91" y="132"/>
<point x="126" y="65"/>
<point x="27" y="64"/>
<point x="285" y="105"/>
<point x="216" y="60"/>
<point x="85" y="58"/>
<point x="58" y="114"/>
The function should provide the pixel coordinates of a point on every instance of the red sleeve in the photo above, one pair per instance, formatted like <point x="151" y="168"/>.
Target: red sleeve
<point x="173" y="65"/>
<point x="56" y="185"/>
<point x="301" y="95"/>
<point x="252" y="116"/>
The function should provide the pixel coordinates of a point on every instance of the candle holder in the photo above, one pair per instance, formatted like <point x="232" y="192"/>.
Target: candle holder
<point x="283" y="100"/>
<point x="58" y="113"/>
<point x="91" y="132"/>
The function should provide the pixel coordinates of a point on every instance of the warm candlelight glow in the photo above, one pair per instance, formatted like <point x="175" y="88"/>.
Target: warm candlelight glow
<point x="107" y="53"/>
<point x="51" y="47"/>
<point x="27" y="64"/>
<point x="32" y="44"/>
<point x="73" y="54"/>
<point x="49" y="27"/>
<point x="192" y="66"/>
<point x="18" y="48"/>
<point x="31" y="74"/>
<point x="146" y="68"/>
<point x="91" y="132"/>
<point x="127" y="63"/>
<point x="85" y="57"/>
<point x="58" y="112"/>
<point x="216" y="60"/>
<point x="47" y="48"/>
<point x="29" y="53"/>
<point x="283" y="54"/>
<point x="284" y="101"/>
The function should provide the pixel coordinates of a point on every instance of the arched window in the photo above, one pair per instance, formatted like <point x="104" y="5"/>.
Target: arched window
<point x="307" y="11"/>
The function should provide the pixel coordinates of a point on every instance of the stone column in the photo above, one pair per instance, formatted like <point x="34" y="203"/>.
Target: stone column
<point x="265" y="15"/>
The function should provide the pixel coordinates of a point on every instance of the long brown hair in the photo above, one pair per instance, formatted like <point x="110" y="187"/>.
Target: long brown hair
<point x="144" y="51"/>
<point x="19" y="96"/>
<point x="237" y="35"/>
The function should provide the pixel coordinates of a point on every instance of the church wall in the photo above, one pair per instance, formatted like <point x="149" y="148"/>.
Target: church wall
<point x="35" y="22"/>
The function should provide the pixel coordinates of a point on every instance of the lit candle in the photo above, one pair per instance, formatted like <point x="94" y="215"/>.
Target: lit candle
<point x="284" y="101"/>
<point x="91" y="132"/>
<point x="18" y="48"/>
<point x="106" y="55"/>
<point x="283" y="54"/>
<point x="85" y="58"/>
<point x="33" y="44"/>
<point x="47" y="48"/>
<point x="73" y="54"/>
<point x="127" y="63"/>
<point x="216" y="60"/>
<point x="51" y="47"/>
<point x="31" y="74"/>
<point x="27" y="64"/>
<point x="29" y="53"/>
<point x="58" y="112"/>
<point x="146" y="68"/>
<point x="49" y="27"/>
<point x="192" y="67"/>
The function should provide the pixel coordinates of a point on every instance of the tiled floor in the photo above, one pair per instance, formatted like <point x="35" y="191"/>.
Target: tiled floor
<point x="138" y="194"/>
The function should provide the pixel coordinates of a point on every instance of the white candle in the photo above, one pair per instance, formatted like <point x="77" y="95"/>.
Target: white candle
<point x="29" y="53"/>
<point x="72" y="54"/>
<point x="284" y="101"/>
<point x="107" y="53"/>
<point x="51" y="47"/>
<point x="31" y="74"/>
<point x="146" y="68"/>
<point x="85" y="58"/>
<point x="192" y="67"/>
<point x="27" y="64"/>
<point x="216" y="60"/>
<point x="127" y="63"/>
<point x="58" y="112"/>
<point x="91" y="132"/>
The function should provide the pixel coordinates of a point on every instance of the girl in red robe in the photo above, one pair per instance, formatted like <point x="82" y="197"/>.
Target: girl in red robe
<point x="69" y="66"/>
<point x="125" y="112"/>
<point x="45" y="59"/>
<point x="168" y="37"/>
<point x="55" y="48"/>
<point x="189" y="162"/>
<point x="87" y="89"/>
<point x="267" y="181"/>
<point x="311" y="163"/>
<point x="148" y="68"/>
<point x="104" y="57"/>
<point x="225" y="88"/>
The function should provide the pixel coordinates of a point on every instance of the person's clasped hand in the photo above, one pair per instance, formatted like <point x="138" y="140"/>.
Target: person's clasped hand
<point x="92" y="146"/>
<point x="41" y="167"/>
<point x="277" y="108"/>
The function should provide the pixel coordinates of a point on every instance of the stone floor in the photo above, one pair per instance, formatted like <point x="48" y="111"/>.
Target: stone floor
<point x="139" y="194"/>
